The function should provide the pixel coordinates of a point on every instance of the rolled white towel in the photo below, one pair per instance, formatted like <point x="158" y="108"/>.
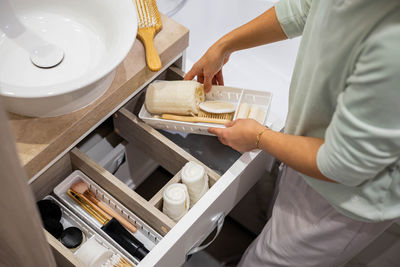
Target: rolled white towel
<point x="195" y="178"/>
<point x="176" y="201"/>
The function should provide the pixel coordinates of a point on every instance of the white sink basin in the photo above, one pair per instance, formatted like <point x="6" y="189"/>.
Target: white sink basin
<point x="57" y="56"/>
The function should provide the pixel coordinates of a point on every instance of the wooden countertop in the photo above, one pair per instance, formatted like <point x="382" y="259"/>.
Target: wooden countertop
<point x="40" y="140"/>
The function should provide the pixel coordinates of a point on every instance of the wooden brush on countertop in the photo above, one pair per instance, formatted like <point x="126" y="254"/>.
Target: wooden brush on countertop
<point x="83" y="189"/>
<point x="149" y="25"/>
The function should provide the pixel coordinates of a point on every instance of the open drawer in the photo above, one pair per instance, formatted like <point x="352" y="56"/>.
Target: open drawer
<point x="231" y="176"/>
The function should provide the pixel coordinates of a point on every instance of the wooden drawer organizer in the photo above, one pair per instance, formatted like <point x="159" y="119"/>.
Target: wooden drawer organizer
<point x="169" y="155"/>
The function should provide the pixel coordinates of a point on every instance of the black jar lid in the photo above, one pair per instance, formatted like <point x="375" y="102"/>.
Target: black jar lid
<point x="54" y="227"/>
<point x="49" y="210"/>
<point x="71" y="237"/>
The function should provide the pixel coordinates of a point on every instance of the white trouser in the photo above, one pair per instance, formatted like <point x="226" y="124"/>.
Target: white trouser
<point x="305" y="230"/>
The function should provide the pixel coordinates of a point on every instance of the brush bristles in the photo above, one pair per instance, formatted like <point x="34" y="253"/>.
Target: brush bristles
<point x="223" y="116"/>
<point x="123" y="263"/>
<point x="80" y="187"/>
<point x="148" y="13"/>
<point x="156" y="12"/>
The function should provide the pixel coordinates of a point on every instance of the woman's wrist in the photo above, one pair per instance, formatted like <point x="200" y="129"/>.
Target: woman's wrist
<point x="259" y="133"/>
<point x="225" y="45"/>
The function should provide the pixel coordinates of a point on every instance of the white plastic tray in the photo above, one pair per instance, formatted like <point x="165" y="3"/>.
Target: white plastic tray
<point x="145" y="234"/>
<point x="69" y="219"/>
<point x="233" y="95"/>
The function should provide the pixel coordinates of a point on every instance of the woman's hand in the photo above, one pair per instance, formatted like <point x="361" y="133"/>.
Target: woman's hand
<point x="209" y="68"/>
<point x="240" y="134"/>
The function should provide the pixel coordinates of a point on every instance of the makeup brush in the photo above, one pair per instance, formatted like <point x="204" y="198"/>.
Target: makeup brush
<point x="82" y="188"/>
<point x="123" y="263"/>
<point x="89" y="207"/>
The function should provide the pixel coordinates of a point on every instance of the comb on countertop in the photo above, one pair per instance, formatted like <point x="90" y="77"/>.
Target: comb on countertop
<point x="149" y="25"/>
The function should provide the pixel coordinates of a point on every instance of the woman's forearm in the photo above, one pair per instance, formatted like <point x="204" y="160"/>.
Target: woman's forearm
<point x="298" y="152"/>
<point x="262" y="30"/>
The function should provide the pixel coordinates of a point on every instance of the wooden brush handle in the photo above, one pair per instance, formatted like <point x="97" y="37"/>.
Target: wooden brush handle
<point x="110" y="211"/>
<point x="146" y="35"/>
<point x="193" y="119"/>
<point x="95" y="207"/>
<point x="89" y="206"/>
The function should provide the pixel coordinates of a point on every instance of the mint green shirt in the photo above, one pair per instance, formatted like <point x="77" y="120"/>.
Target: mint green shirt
<point x="346" y="89"/>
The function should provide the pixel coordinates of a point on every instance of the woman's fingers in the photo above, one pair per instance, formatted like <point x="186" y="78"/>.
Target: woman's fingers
<point x="231" y="123"/>
<point x="219" y="77"/>
<point x="207" y="82"/>
<point x="214" y="81"/>
<point x="191" y="74"/>
<point x="216" y="131"/>
<point x="208" y="68"/>
<point x="200" y="78"/>
<point x="219" y="132"/>
<point x="222" y="140"/>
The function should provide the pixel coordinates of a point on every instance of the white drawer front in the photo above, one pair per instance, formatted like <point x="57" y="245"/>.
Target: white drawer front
<point x="200" y="221"/>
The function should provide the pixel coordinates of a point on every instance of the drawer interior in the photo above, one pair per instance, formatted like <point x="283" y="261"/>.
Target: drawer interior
<point x="149" y="211"/>
<point x="204" y="148"/>
<point x="169" y="150"/>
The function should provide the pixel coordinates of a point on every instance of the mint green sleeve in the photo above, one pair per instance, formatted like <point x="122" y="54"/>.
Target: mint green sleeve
<point x="292" y="16"/>
<point x="363" y="137"/>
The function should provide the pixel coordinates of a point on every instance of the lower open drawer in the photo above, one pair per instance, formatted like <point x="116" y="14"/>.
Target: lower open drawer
<point x="231" y="176"/>
<point x="179" y="239"/>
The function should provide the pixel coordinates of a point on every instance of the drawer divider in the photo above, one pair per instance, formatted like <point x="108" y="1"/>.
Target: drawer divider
<point x="157" y="199"/>
<point x="170" y="156"/>
<point x="132" y="200"/>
